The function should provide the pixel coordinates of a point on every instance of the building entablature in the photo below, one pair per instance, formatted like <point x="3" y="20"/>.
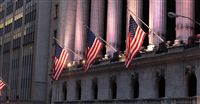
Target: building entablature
<point x="138" y="62"/>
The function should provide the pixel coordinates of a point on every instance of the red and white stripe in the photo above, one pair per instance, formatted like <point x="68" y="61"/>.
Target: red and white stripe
<point x="2" y="85"/>
<point x="135" y="45"/>
<point x="60" y="64"/>
<point x="92" y="53"/>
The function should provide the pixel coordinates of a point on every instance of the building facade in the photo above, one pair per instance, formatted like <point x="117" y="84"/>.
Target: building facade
<point x="167" y="75"/>
<point x="24" y="41"/>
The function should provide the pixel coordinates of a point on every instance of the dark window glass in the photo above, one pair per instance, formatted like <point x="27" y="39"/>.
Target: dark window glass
<point x="114" y="91"/>
<point x="79" y="93"/>
<point x="136" y="89"/>
<point x="192" y="86"/>
<point x="162" y="87"/>
<point x="95" y="91"/>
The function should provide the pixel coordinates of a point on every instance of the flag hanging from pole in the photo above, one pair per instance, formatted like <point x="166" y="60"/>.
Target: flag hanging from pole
<point x="60" y="60"/>
<point x="2" y="85"/>
<point x="93" y="47"/>
<point x="135" y="39"/>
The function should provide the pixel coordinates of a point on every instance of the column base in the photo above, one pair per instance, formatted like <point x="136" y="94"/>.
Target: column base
<point x="178" y="42"/>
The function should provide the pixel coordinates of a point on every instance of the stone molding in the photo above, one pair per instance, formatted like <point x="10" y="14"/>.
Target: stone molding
<point x="78" y="82"/>
<point x="113" y="78"/>
<point x="189" y="69"/>
<point x="134" y="76"/>
<point x="94" y="81"/>
<point x="160" y="73"/>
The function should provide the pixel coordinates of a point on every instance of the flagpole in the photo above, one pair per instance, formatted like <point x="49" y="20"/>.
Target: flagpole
<point x="101" y="38"/>
<point x="67" y="48"/>
<point x="7" y="85"/>
<point x="146" y="25"/>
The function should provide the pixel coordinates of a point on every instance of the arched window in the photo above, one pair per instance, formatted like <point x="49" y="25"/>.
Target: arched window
<point x="161" y="87"/>
<point x="114" y="90"/>
<point x="95" y="91"/>
<point x="171" y="22"/>
<point x="192" y="86"/>
<point x="136" y="89"/>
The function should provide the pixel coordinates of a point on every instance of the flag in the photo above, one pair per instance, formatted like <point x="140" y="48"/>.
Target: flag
<point x="60" y="60"/>
<point x="2" y="85"/>
<point x="93" y="47"/>
<point x="135" y="39"/>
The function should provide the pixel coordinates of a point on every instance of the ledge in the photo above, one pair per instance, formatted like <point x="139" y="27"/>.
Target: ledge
<point x="187" y="54"/>
<point x="185" y="100"/>
<point x="178" y="48"/>
<point x="148" y="53"/>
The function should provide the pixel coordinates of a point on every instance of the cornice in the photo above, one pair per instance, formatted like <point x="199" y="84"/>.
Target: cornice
<point x="138" y="62"/>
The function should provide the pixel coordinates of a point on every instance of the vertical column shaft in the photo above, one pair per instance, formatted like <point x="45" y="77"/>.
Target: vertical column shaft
<point x="114" y="25"/>
<point x="157" y="20"/>
<point x="184" y="26"/>
<point x="97" y="20"/>
<point x="81" y="32"/>
<point x="136" y="6"/>
<point x="66" y="25"/>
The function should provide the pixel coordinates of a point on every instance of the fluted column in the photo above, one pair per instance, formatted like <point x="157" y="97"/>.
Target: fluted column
<point x="157" y="20"/>
<point x="81" y="32"/>
<point x="136" y="6"/>
<point x="184" y="26"/>
<point x="114" y="25"/>
<point x="66" y="24"/>
<point x="97" y="19"/>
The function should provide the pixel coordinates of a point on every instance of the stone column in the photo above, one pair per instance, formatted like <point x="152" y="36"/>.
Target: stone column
<point x="136" y="6"/>
<point x="66" y="25"/>
<point x="97" y="19"/>
<point x="157" y="20"/>
<point x="114" y="25"/>
<point x="81" y="32"/>
<point x="184" y="26"/>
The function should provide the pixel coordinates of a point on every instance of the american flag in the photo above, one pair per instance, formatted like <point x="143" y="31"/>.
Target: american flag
<point x="60" y="60"/>
<point x="93" y="47"/>
<point x="2" y="85"/>
<point x="135" y="39"/>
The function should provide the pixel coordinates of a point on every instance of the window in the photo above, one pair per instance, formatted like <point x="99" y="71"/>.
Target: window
<point x="1" y="23"/>
<point x="79" y="93"/>
<point x="95" y="91"/>
<point x="136" y="89"/>
<point x="192" y="86"/>
<point x="7" y="37"/>
<point x="18" y="13"/>
<point x="64" y="91"/>
<point x="114" y="90"/>
<point x="161" y="87"/>
<point x="0" y="40"/>
<point x="9" y="19"/>
<point x="56" y="11"/>
<point x="17" y="33"/>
